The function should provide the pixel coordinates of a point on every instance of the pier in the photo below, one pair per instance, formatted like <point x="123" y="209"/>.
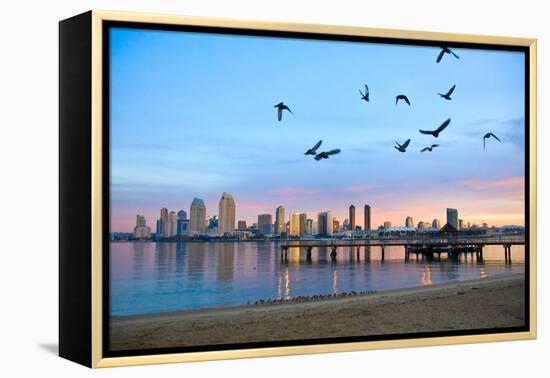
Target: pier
<point x="451" y="246"/>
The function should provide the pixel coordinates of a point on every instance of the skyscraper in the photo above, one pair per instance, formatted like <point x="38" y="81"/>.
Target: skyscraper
<point x="387" y="225"/>
<point x="226" y="214"/>
<point x="436" y="224"/>
<point x="309" y="227"/>
<point x="182" y="225"/>
<point x="279" y="220"/>
<point x="452" y="217"/>
<point x="409" y="222"/>
<point x="295" y="224"/>
<point x="352" y="217"/>
<point x="367" y="218"/>
<point x="141" y="231"/>
<point x="460" y="224"/>
<point x="241" y="225"/>
<point x="303" y="224"/>
<point x="265" y="224"/>
<point x="163" y="221"/>
<point x="171" y="225"/>
<point x="197" y="221"/>
<point x="325" y="223"/>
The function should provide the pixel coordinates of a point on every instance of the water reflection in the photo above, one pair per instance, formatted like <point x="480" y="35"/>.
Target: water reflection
<point x="155" y="277"/>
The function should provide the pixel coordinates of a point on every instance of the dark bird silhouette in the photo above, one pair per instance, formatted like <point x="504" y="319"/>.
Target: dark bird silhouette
<point x="436" y="132"/>
<point x="445" y="50"/>
<point x="326" y="154"/>
<point x="280" y="107"/>
<point x="487" y="136"/>
<point x="365" y="96"/>
<point x="313" y="150"/>
<point x="402" y="147"/>
<point x="447" y="96"/>
<point x="430" y="148"/>
<point x="402" y="97"/>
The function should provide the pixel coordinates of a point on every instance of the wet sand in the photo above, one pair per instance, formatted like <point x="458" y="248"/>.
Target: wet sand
<point x="485" y="303"/>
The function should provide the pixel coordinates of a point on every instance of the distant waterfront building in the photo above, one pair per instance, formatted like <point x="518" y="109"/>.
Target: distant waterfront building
<point x="335" y="225"/>
<point x="197" y="218"/>
<point x="280" y="220"/>
<point x="226" y="214"/>
<point x="460" y="224"/>
<point x="352" y="217"/>
<point x="421" y="226"/>
<point x="294" y="224"/>
<point x="171" y="225"/>
<point x="265" y="224"/>
<point x="409" y="222"/>
<point x="141" y="231"/>
<point x="309" y="227"/>
<point x="182" y="214"/>
<point x="387" y="225"/>
<point x="367" y="224"/>
<point x="325" y="223"/>
<point x="303" y="224"/>
<point x="436" y="224"/>
<point x="241" y="225"/>
<point x="163" y="221"/>
<point x="213" y="224"/>
<point x="452" y="218"/>
<point x="182" y="224"/>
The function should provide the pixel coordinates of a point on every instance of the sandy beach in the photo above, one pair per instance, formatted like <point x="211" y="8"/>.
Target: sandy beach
<point x="485" y="303"/>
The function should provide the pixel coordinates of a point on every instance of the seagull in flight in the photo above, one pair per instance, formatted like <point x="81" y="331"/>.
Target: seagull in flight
<point x="402" y="97"/>
<point x="313" y="150"/>
<point x="447" y="96"/>
<point x="365" y="96"/>
<point x="445" y="50"/>
<point x="430" y="148"/>
<point x="402" y="147"/>
<point x="436" y="132"/>
<point x="326" y="154"/>
<point x="487" y="136"/>
<point x="280" y="107"/>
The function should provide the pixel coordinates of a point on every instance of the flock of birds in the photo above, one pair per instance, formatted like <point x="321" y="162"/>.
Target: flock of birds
<point x="307" y="298"/>
<point x="365" y="95"/>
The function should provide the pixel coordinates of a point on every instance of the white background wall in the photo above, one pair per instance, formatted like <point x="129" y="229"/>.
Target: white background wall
<point x="29" y="176"/>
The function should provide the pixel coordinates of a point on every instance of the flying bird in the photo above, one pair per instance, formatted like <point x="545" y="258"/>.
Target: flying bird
<point x="365" y="96"/>
<point x="487" y="136"/>
<point x="402" y="147"/>
<point x="445" y="50"/>
<point x="430" y="148"/>
<point x="436" y="132"/>
<point x="326" y="154"/>
<point x="280" y="107"/>
<point x="447" y="96"/>
<point x="402" y="97"/>
<point x="313" y="150"/>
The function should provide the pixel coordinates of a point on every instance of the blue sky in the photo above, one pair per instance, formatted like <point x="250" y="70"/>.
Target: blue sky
<point x="192" y="116"/>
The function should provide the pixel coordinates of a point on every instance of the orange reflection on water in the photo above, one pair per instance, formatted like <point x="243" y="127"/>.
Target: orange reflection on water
<point x="287" y="284"/>
<point x="334" y="282"/>
<point x="426" y="279"/>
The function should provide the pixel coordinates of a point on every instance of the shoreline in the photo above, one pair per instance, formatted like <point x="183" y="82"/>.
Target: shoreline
<point x="492" y="302"/>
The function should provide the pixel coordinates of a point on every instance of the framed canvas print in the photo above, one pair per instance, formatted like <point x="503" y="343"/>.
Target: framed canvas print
<point x="235" y="189"/>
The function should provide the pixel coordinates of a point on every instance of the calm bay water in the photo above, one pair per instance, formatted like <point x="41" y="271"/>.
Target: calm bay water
<point x="149" y="277"/>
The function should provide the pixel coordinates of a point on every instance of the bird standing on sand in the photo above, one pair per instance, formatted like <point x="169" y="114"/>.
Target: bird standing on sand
<point x="326" y="154"/>
<point x="447" y="96"/>
<point x="313" y="150"/>
<point x="402" y="147"/>
<point x="445" y="50"/>
<point x="487" y="136"/>
<point x="436" y="132"/>
<point x="365" y="96"/>
<point x="402" y="97"/>
<point x="430" y="148"/>
<point x="280" y="107"/>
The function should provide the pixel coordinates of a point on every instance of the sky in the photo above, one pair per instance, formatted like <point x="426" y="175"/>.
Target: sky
<point x="192" y="116"/>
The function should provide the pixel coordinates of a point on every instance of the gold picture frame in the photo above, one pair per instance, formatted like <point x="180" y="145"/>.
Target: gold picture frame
<point x="92" y="355"/>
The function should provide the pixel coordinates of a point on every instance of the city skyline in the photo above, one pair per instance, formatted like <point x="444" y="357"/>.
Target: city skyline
<point x="175" y="136"/>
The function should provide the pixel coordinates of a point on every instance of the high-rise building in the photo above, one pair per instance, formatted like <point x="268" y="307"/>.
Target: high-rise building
<point x="197" y="218"/>
<point x="303" y="224"/>
<point x="279" y="220"/>
<point x="309" y="227"/>
<point x="421" y="226"/>
<point x="163" y="221"/>
<point x="367" y="218"/>
<point x="325" y="223"/>
<point x="265" y="224"/>
<point x="452" y="217"/>
<point x="294" y="224"/>
<point x="182" y="214"/>
<point x="460" y="224"/>
<point x="241" y="225"/>
<point x="212" y="225"/>
<point x="387" y="225"/>
<point x="141" y="231"/>
<point x="182" y="224"/>
<point x="335" y="225"/>
<point x="409" y="222"/>
<point x="171" y="225"/>
<point x="226" y="214"/>
<point x="352" y="217"/>
<point x="436" y="224"/>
